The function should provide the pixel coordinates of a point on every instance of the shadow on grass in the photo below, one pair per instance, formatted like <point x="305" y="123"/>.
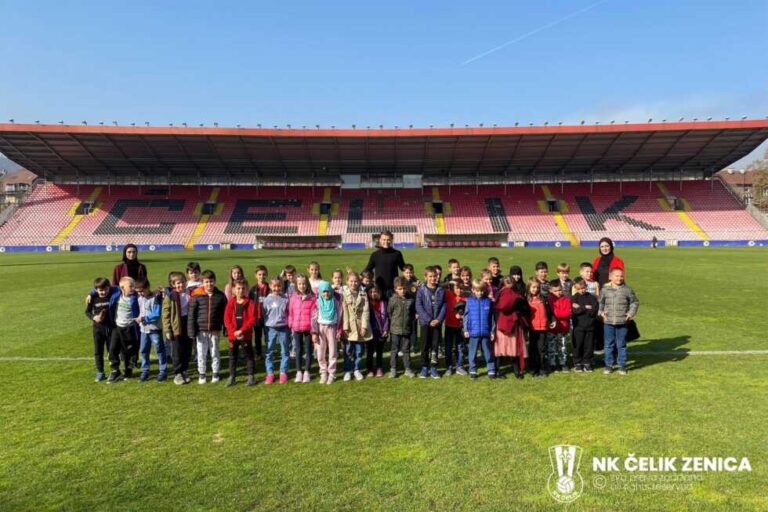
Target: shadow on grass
<point x="644" y="353"/>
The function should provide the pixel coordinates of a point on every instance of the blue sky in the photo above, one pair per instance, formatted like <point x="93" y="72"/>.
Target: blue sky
<point x="390" y="63"/>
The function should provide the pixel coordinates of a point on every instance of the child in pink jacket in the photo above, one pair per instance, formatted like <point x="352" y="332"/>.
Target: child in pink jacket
<point x="300" y="307"/>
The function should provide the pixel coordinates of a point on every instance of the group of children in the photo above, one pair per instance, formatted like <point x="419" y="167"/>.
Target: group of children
<point x="521" y="323"/>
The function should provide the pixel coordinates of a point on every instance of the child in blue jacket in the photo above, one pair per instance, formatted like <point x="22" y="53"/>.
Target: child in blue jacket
<point x="150" y="306"/>
<point x="430" y="307"/>
<point x="479" y="328"/>
<point x="123" y="320"/>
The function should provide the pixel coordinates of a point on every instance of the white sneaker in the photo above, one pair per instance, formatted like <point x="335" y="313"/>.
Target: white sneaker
<point x="330" y="380"/>
<point x="323" y="378"/>
<point x="358" y="375"/>
<point x="215" y="378"/>
<point x="347" y="376"/>
<point x="299" y="377"/>
<point x="307" y="378"/>
<point x="201" y="380"/>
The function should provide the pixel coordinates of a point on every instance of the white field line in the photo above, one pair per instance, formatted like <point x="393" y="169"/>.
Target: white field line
<point x="631" y="353"/>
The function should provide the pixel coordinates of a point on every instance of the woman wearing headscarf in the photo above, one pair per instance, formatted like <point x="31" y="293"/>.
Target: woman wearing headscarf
<point x="606" y="262"/>
<point x="130" y="266"/>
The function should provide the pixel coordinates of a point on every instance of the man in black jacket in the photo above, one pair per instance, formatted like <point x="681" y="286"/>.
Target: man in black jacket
<point x="385" y="262"/>
<point x="204" y="322"/>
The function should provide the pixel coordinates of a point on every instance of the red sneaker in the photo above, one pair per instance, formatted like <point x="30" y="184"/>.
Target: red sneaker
<point x="283" y="378"/>
<point x="269" y="379"/>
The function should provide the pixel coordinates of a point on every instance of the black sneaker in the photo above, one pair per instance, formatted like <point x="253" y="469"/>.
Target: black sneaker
<point x="128" y="373"/>
<point x="519" y="375"/>
<point x="114" y="377"/>
<point x="473" y="376"/>
<point x="230" y="382"/>
<point x="501" y="376"/>
<point x="587" y="369"/>
<point x="491" y="375"/>
<point x="161" y="377"/>
<point x="144" y="377"/>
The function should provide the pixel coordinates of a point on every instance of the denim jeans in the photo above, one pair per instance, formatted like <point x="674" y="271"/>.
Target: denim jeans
<point x="353" y="350"/>
<point x="615" y="336"/>
<point x="277" y="335"/>
<point x="148" y="339"/>
<point x="487" y="347"/>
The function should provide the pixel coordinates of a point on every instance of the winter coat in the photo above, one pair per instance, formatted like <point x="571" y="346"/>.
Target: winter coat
<point x="357" y="321"/>
<point x="402" y="311"/>
<point x="426" y="309"/>
<point x="206" y="313"/>
<point x="300" y="312"/>
<point x="249" y="319"/>
<point x="561" y="310"/>
<point x="584" y="318"/>
<point x="478" y="317"/>
<point x="617" y="302"/>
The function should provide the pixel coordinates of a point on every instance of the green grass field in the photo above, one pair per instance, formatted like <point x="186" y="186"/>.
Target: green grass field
<point x="71" y="444"/>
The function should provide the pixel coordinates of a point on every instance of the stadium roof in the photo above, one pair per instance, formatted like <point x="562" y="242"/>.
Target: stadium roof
<point x="702" y="147"/>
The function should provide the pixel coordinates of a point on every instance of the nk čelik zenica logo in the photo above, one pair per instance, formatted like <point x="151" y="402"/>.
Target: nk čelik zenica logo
<point x="565" y="484"/>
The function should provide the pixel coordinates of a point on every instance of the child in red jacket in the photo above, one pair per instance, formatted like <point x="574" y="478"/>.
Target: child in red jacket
<point x="540" y="320"/>
<point x="239" y="318"/>
<point x="557" y="341"/>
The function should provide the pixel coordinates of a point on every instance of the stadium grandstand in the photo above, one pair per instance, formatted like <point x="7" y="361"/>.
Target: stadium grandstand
<point x="100" y="187"/>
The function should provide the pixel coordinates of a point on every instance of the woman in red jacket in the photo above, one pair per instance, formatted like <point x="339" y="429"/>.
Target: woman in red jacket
<point x="512" y="319"/>
<point x="130" y="266"/>
<point x="239" y="318"/>
<point x="606" y="262"/>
